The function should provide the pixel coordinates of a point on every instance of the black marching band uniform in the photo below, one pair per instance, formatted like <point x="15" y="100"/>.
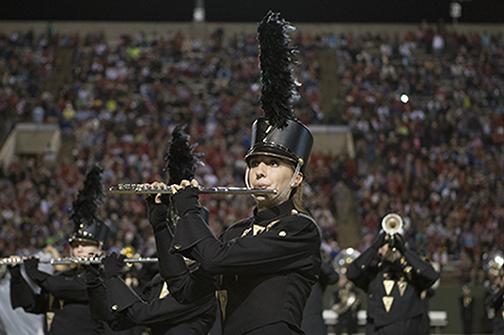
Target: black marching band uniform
<point x="266" y="264"/>
<point x="63" y="297"/>
<point x="113" y="301"/>
<point x="394" y="289"/>
<point x="466" y="306"/>
<point x="496" y="303"/>
<point x="313" y="321"/>
<point x="346" y="298"/>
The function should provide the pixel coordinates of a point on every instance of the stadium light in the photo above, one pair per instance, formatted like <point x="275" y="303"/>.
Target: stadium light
<point x="199" y="11"/>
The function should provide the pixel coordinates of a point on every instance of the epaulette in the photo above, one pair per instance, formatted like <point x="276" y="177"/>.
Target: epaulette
<point x="306" y="216"/>
<point x="242" y="222"/>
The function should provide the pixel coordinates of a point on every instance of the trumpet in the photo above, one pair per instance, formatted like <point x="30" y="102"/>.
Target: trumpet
<point x="344" y="258"/>
<point x="16" y="260"/>
<point x="225" y="190"/>
<point x="392" y="224"/>
<point x="493" y="263"/>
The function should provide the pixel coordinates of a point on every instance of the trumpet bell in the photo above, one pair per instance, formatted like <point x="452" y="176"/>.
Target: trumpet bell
<point x="392" y="224"/>
<point x="493" y="262"/>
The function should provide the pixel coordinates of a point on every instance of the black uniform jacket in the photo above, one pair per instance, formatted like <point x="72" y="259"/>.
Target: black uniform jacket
<point x="268" y="264"/>
<point x="122" y="308"/>
<point x="313" y="321"/>
<point x="496" y="301"/>
<point x="394" y="289"/>
<point x="64" y="294"/>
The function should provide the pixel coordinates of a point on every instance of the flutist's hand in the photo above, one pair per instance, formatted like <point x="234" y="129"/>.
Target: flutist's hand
<point x="113" y="265"/>
<point x="31" y="267"/>
<point x="158" y="198"/>
<point x="185" y="196"/>
<point x="13" y="261"/>
<point x="157" y="207"/>
<point x="15" y="272"/>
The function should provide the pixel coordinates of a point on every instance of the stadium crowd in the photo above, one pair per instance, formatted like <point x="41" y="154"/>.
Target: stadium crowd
<point x="434" y="155"/>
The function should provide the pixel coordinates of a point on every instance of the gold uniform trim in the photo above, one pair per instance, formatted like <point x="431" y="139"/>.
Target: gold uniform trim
<point x="164" y="291"/>
<point x="402" y="285"/>
<point x="222" y="296"/>
<point x="388" y="285"/>
<point x="387" y="302"/>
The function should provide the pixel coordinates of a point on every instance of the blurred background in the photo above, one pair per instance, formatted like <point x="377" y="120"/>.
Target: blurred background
<point x="405" y="99"/>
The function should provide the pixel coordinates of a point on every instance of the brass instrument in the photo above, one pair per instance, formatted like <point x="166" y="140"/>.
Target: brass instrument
<point x="344" y="258"/>
<point x="493" y="263"/>
<point x="392" y="224"/>
<point x="16" y="260"/>
<point x="348" y="298"/>
<point x="149" y="189"/>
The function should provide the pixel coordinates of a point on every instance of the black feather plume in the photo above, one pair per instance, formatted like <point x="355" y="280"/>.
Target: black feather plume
<point x="86" y="204"/>
<point x="180" y="159"/>
<point x="277" y="58"/>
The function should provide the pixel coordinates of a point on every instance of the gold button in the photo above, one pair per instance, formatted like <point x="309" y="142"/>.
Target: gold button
<point x="177" y="246"/>
<point x="115" y="307"/>
<point x="282" y="233"/>
<point x="294" y="212"/>
<point x="362" y="266"/>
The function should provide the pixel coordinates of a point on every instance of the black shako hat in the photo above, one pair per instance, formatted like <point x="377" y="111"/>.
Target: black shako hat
<point x="88" y="228"/>
<point x="278" y="133"/>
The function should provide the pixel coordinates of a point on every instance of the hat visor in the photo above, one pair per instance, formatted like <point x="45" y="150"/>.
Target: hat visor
<point x="271" y="151"/>
<point x="75" y="241"/>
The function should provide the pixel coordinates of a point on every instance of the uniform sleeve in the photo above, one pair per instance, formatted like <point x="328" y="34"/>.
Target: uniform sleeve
<point x="21" y="294"/>
<point x="423" y="274"/>
<point x="327" y="274"/>
<point x="292" y="243"/>
<point x="158" y="310"/>
<point x="65" y="287"/>
<point x="185" y="285"/>
<point x="361" y="271"/>
<point x="101" y="309"/>
<point x="120" y="296"/>
<point x="497" y="299"/>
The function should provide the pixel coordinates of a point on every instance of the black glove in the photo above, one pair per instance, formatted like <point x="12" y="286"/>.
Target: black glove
<point x="186" y="200"/>
<point x="31" y="267"/>
<point x="157" y="214"/>
<point x="92" y="275"/>
<point x="15" y="272"/>
<point x="379" y="240"/>
<point x="113" y="265"/>
<point x="398" y="243"/>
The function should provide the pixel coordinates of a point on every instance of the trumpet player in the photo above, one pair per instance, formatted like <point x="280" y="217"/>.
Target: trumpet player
<point x="394" y="277"/>
<point x="63" y="297"/>
<point x="495" y="302"/>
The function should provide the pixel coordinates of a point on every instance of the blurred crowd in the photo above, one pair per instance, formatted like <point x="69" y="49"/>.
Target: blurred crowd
<point x="425" y="109"/>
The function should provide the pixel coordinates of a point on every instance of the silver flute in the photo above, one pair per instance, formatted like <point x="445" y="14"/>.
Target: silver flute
<point x="16" y="260"/>
<point x="224" y="190"/>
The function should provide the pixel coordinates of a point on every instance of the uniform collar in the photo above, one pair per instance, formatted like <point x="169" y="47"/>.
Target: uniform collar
<point x="269" y="214"/>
